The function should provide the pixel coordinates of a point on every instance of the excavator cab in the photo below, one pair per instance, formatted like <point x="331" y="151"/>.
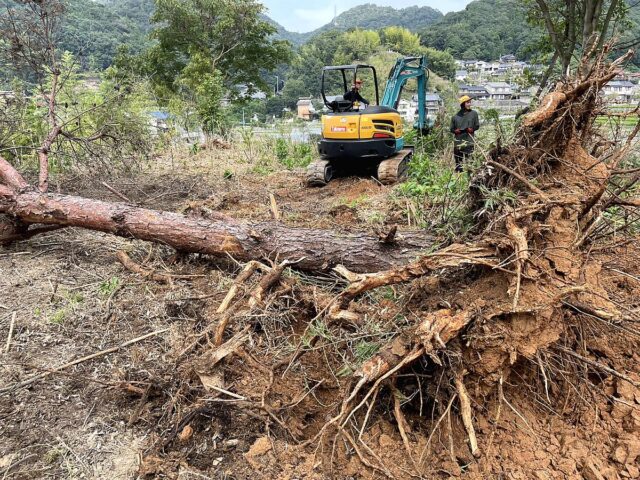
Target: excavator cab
<point x="348" y="74"/>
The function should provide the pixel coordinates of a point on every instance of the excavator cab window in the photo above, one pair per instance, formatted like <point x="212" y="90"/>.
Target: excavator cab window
<point x="339" y="79"/>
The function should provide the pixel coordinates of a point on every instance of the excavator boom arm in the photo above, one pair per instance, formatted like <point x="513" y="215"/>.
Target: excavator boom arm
<point x="404" y="69"/>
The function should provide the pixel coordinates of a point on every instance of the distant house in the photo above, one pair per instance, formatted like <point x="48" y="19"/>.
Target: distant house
<point x="499" y="90"/>
<point x="490" y="67"/>
<point x="508" y="58"/>
<point x="480" y="65"/>
<point x="503" y="68"/>
<point x="433" y="104"/>
<point x="243" y="91"/>
<point x="476" y="92"/>
<point x="619" y="90"/>
<point x="159" y="120"/>
<point x="306" y="111"/>
<point x="407" y="110"/>
<point x="526" y="94"/>
<point x="628" y="76"/>
<point x="461" y="75"/>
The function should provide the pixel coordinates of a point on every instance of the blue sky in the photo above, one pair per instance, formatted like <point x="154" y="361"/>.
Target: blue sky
<point x="304" y="16"/>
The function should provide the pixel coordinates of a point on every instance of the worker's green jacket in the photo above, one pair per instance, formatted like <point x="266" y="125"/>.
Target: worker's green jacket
<point x="461" y="121"/>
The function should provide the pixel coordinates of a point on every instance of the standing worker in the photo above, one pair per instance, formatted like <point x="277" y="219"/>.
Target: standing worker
<point x="463" y="126"/>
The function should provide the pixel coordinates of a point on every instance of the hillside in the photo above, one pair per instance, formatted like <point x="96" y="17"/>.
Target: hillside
<point x="93" y="31"/>
<point x="485" y="29"/>
<point x="374" y="17"/>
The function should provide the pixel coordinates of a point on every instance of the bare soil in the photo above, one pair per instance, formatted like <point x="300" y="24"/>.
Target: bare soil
<point x="143" y="412"/>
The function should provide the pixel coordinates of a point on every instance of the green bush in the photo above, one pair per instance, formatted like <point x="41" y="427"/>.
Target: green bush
<point x="293" y="155"/>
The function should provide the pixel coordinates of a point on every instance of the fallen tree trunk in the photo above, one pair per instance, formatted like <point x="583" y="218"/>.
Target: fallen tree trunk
<point x="318" y="249"/>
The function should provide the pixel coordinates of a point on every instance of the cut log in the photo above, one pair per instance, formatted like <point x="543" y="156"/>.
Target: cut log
<point x="318" y="249"/>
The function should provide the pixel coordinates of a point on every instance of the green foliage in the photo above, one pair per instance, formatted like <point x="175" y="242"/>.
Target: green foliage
<point x="107" y="123"/>
<point x="201" y="83"/>
<point x="58" y="316"/>
<point x="93" y="31"/>
<point x="293" y="155"/>
<point x="495" y="199"/>
<point x="230" y="34"/>
<point x="282" y="149"/>
<point x="492" y="117"/>
<point x="440" y="63"/>
<point x="401" y="40"/>
<point x="335" y="48"/>
<point x="365" y="350"/>
<point x="226" y="43"/>
<point x="434" y="191"/>
<point x="356" y="45"/>
<point x="436" y="194"/>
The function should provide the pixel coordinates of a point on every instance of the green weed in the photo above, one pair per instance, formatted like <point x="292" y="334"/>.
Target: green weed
<point x="107" y="287"/>
<point x="435" y="195"/>
<point x="58" y="316"/>
<point x="317" y="329"/>
<point x="365" y="350"/>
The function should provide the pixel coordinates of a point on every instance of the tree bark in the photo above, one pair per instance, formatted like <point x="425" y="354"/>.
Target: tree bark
<point x="312" y="249"/>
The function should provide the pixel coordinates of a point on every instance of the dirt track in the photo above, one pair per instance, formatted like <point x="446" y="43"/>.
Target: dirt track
<point x="98" y="419"/>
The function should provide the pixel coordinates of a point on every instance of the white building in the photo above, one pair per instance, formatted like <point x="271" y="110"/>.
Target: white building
<point x="461" y="75"/>
<point x="619" y="90"/>
<point x="499" y="90"/>
<point x="407" y="110"/>
<point x="476" y="92"/>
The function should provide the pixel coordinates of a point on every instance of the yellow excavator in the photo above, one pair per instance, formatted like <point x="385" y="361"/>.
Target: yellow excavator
<point x="359" y="139"/>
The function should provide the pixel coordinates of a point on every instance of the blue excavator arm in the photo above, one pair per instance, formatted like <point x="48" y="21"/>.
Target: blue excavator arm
<point x="404" y="69"/>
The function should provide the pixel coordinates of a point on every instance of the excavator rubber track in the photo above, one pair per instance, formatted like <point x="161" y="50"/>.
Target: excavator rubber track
<point x="319" y="173"/>
<point x="395" y="169"/>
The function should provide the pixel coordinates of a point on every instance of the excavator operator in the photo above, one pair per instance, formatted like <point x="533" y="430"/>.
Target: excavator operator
<point x="354" y="96"/>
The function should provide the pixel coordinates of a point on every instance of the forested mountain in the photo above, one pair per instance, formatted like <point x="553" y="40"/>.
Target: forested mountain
<point x="93" y="30"/>
<point x="484" y="30"/>
<point x="374" y="17"/>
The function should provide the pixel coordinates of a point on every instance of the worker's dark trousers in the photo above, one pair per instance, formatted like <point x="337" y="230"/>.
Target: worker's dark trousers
<point x="461" y="154"/>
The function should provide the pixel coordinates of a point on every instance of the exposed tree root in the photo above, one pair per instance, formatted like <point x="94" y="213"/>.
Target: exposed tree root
<point x="465" y="408"/>
<point x="535" y="248"/>
<point x="134" y="267"/>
